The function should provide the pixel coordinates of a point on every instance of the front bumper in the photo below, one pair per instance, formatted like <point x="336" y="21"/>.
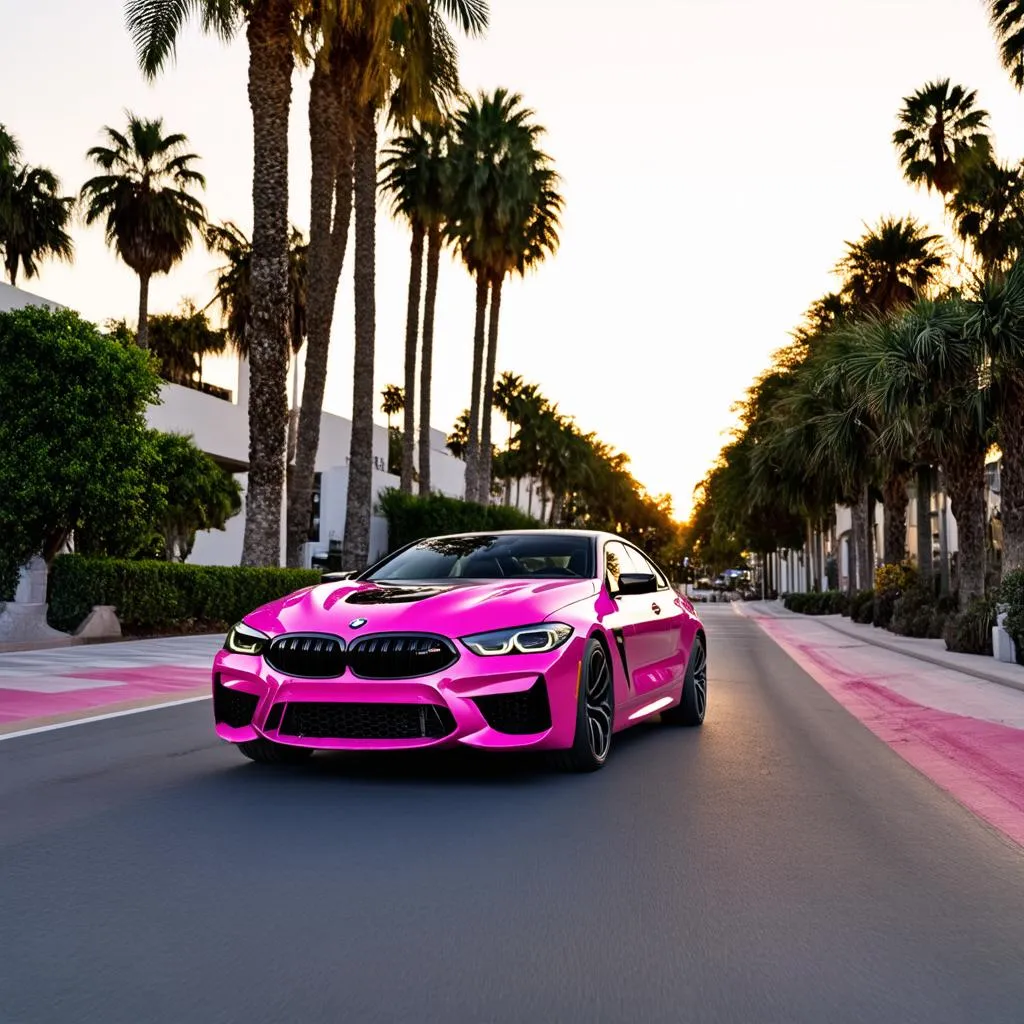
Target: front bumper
<point x="507" y="702"/>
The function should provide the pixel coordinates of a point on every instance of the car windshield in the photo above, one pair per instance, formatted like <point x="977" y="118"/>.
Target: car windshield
<point x="507" y="556"/>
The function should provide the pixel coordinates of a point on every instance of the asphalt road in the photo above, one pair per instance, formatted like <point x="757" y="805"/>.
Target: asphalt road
<point x="780" y="865"/>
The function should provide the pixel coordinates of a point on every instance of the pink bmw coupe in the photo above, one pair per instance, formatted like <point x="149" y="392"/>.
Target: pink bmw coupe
<point x="545" y="639"/>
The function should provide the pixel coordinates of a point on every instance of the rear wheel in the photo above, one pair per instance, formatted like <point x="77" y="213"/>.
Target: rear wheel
<point x="266" y="751"/>
<point x="690" y="710"/>
<point x="595" y="713"/>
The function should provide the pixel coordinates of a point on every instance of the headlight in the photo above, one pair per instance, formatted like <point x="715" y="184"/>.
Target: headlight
<point x="522" y="640"/>
<point x="243" y="639"/>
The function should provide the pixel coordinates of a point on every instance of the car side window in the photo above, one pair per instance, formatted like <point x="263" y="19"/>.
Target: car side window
<point x="619" y="559"/>
<point x="649" y="566"/>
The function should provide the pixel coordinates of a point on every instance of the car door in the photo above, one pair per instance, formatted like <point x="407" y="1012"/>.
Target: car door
<point x="658" y="626"/>
<point x="635" y="649"/>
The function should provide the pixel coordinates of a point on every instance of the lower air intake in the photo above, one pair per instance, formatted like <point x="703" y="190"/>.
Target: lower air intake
<point x="359" y="721"/>
<point x="518" y="714"/>
<point x="233" y="708"/>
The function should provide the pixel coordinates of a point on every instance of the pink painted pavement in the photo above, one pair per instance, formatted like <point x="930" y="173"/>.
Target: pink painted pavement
<point x="979" y="763"/>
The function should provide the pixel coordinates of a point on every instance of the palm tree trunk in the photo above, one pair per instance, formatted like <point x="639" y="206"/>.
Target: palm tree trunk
<point x="488" y="395"/>
<point x="142" y="335"/>
<point x="925" y="568"/>
<point x="965" y="481"/>
<point x="427" y="352"/>
<point x="895" y="500"/>
<point x="858" y="547"/>
<point x="1011" y="475"/>
<point x="359" y="508"/>
<point x="330" y="193"/>
<point x="271" y="61"/>
<point x="412" y="329"/>
<point x="473" y="446"/>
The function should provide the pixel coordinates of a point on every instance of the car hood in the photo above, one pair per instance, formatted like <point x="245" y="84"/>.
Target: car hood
<point x="451" y="608"/>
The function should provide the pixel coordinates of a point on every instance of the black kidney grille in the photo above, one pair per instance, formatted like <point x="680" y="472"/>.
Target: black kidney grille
<point x="234" y="708"/>
<point x="400" y="657"/>
<point x="519" y="714"/>
<point x="359" y="721"/>
<point x="309" y="656"/>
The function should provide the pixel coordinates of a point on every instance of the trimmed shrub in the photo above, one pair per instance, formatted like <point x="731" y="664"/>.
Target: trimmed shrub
<point x="917" y="613"/>
<point x="891" y="582"/>
<point x="165" y="597"/>
<point x="829" y="602"/>
<point x="971" y="631"/>
<point x="861" y="606"/>
<point x="411" y="517"/>
<point x="1011" y="593"/>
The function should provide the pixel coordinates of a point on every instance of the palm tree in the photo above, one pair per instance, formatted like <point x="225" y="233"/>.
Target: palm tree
<point x="181" y="341"/>
<point x="890" y="265"/>
<point x="233" y="285"/>
<point x="504" y="219"/>
<point x="392" y="402"/>
<point x="1007" y="17"/>
<point x="988" y="213"/>
<point x="922" y="378"/>
<point x="941" y="131"/>
<point x="144" y="198"/>
<point x="413" y="171"/>
<point x="33" y="219"/>
<point x="458" y="440"/>
<point x="155" y="26"/>
<point x="414" y="74"/>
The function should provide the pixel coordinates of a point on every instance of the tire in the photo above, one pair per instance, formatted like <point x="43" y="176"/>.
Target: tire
<point x="691" y="709"/>
<point x="265" y="751"/>
<point x="595" y="713"/>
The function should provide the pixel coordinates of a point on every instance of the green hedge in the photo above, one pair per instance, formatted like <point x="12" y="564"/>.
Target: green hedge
<point x="829" y="602"/>
<point x="970" y="632"/>
<point x="411" y="517"/>
<point x="165" y="597"/>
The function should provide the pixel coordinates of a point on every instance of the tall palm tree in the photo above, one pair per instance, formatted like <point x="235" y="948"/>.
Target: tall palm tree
<point x="891" y="264"/>
<point x="504" y="219"/>
<point x="33" y="220"/>
<point x="988" y="213"/>
<point x="1007" y="17"/>
<point x="942" y="130"/>
<point x="413" y="171"/>
<point x="413" y="74"/>
<point x="272" y="36"/>
<point x="145" y="199"/>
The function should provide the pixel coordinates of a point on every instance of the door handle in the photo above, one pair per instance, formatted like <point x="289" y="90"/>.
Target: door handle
<point x="655" y="609"/>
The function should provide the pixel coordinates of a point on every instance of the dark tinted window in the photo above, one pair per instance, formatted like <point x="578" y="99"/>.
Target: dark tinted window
<point x="512" y="556"/>
<point x="649" y="566"/>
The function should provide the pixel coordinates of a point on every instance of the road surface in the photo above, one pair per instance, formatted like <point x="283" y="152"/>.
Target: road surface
<point x="780" y="865"/>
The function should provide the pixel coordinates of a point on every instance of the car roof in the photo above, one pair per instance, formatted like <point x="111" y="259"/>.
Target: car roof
<point x="526" y="533"/>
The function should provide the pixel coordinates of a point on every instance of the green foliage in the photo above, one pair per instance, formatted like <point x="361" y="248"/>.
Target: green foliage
<point x="411" y="517"/>
<point x="970" y="631"/>
<point x="162" y="597"/>
<point x="74" y="447"/>
<point x="828" y="602"/>
<point x="890" y="582"/>
<point x="1011" y="593"/>
<point x="918" y="613"/>
<point x="861" y="606"/>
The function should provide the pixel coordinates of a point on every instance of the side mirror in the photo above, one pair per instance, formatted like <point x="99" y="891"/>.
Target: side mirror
<point x="338" y="577"/>
<point x="637" y="583"/>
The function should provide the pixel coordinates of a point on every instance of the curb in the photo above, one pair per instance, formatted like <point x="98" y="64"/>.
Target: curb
<point x="892" y="648"/>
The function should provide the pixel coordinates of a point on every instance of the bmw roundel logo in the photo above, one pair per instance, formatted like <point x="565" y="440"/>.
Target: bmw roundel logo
<point x="356" y="623"/>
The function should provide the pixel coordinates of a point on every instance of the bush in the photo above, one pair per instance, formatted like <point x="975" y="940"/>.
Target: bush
<point x="1011" y="593"/>
<point x="165" y="597"/>
<point x="917" y="613"/>
<point x="891" y="582"/>
<point x="411" y="517"/>
<point x="971" y="631"/>
<point x="861" y="606"/>
<point x="829" y="602"/>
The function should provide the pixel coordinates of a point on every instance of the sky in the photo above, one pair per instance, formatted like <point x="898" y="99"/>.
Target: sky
<point x="715" y="154"/>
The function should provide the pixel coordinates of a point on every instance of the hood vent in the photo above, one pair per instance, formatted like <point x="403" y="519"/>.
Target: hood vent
<point x="394" y="595"/>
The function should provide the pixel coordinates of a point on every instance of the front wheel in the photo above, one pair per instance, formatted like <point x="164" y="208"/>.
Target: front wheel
<point x="265" y="751"/>
<point x="595" y="713"/>
<point x="690" y="710"/>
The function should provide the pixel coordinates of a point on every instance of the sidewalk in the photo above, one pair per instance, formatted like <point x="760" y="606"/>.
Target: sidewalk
<point x="961" y="725"/>
<point x="41" y="687"/>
